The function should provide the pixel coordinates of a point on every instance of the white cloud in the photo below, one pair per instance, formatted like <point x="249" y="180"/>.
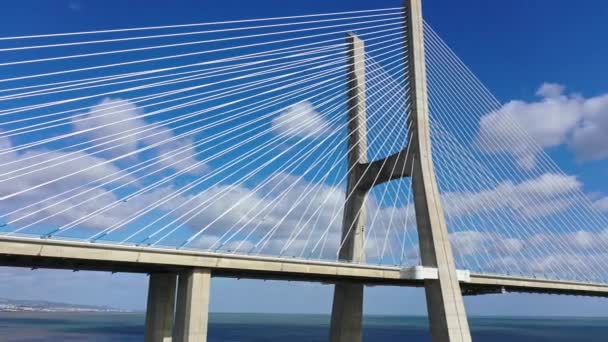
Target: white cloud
<point x="109" y="120"/>
<point x="581" y="241"/>
<point x="550" y="90"/>
<point x="589" y="137"/>
<point x="300" y="120"/>
<point x="601" y="204"/>
<point x="561" y="255"/>
<point x="298" y="209"/>
<point x="547" y="121"/>
<point x="224" y="207"/>
<point x="53" y="173"/>
<point x="119" y="121"/>
<point x="469" y="242"/>
<point x="556" y="119"/>
<point x="542" y="196"/>
<point x="179" y="155"/>
<point x="294" y="211"/>
<point x="47" y="166"/>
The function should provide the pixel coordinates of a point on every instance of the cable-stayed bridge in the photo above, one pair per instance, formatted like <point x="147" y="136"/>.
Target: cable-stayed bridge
<point x="352" y="148"/>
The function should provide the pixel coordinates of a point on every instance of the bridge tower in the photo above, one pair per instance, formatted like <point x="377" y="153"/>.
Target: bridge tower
<point x="445" y="305"/>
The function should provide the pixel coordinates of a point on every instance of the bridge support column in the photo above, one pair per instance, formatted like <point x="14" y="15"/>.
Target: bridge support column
<point x="347" y="309"/>
<point x="347" y="313"/>
<point x="192" y="307"/>
<point x="448" y="319"/>
<point x="160" y="307"/>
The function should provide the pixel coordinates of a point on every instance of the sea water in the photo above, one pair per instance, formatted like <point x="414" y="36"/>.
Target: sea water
<point x="225" y="327"/>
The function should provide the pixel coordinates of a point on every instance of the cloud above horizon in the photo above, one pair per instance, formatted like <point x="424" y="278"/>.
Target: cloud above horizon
<point x="300" y="120"/>
<point x="121" y="127"/>
<point x="556" y="119"/>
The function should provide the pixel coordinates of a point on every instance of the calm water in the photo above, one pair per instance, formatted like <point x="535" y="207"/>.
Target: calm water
<point x="38" y="327"/>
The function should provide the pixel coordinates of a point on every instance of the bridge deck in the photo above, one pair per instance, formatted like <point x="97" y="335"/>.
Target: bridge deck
<point x="60" y="254"/>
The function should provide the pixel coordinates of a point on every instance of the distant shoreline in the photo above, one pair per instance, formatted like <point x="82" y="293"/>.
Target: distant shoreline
<point x="14" y="305"/>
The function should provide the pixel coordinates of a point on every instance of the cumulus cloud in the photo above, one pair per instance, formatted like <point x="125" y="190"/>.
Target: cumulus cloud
<point x="176" y="154"/>
<point x="589" y="137"/>
<point x="24" y="170"/>
<point x="470" y="242"/>
<point x="290" y="210"/>
<point x="601" y="204"/>
<point x="285" y="209"/>
<point x="300" y="120"/>
<point x="559" y="254"/>
<point x="295" y="217"/>
<point x="78" y="183"/>
<point x="88" y="174"/>
<point x="537" y="197"/>
<point x="121" y="122"/>
<point x="565" y="255"/>
<point x="112" y="119"/>
<point x="555" y="119"/>
<point x="550" y="90"/>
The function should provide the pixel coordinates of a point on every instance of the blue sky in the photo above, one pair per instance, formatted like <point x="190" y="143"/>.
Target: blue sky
<point x="514" y="47"/>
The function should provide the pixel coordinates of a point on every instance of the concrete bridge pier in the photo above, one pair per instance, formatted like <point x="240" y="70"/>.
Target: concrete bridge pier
<point x="192" y="308"/>
<point x="178" y="306"/>
<point x="347" y="313"/>
<point x="160" y="308"/>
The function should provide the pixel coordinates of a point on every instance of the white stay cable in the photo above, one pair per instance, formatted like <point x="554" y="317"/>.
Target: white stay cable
<point x="266" y="238"/>
<point x="91" y="110"/>
<point x="174" y="209"/>
<point x="239" y="181"/>
<point x="192" y="25"/>
<point x="277" y="225"/>
<point x="277" y="51"/>
<point x="73" y="224"/>
<point x="460" y="77"/>
<point x="87" y="116"/>
<point x="273" y="230"/>
<point x="319" y="86"/>
<point x="181" y="34"/>
<point x="198" y="233"/>
<point x="398" y="91"/>
<point x="213" y="71"/>
<point x="198" y="42"/>
<point x="173" y="154"/>
<point x="197" y="53"/>
<point x="117" y="158"/>
<point x="151" y="127"/>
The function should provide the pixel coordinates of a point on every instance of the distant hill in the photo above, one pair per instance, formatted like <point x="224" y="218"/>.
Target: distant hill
<point x="15" y="305"/>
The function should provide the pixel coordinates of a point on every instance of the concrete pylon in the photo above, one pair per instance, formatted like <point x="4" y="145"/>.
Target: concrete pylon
<point x="160" y="307"/>
<point x="445" y="305"/>
<point x="353" y="223"/>
<point x="347" y="309"/>
<point x="192" y="308"/>
<point x="448" y="319"/>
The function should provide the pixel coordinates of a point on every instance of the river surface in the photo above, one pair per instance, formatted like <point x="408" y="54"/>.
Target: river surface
<point x="47" y="327"/>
